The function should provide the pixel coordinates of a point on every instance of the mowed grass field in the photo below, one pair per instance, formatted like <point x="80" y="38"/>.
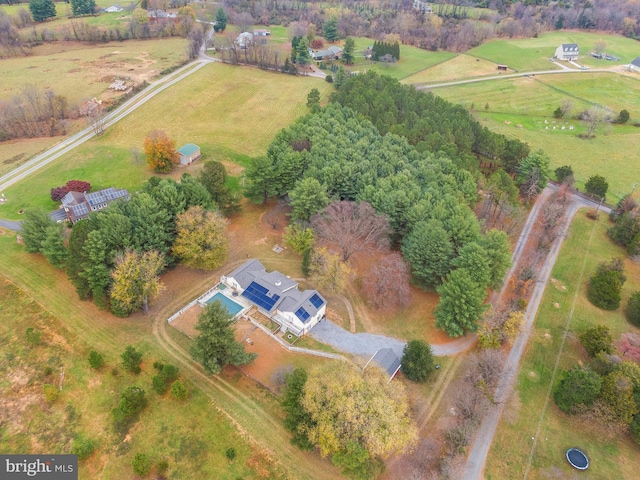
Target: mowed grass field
<point x="612" y="456"/>
<point x="232" y="113"/>
<point x="461" y="66"/>
<point x="523" y="108"/>
<point x="534" y="53"/>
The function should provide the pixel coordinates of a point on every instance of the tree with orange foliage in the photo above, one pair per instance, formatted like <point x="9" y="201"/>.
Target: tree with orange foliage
<point x="160" y="151"/>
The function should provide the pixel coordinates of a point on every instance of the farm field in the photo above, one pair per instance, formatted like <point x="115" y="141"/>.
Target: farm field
<point x="232" y="113"/>
<point x="79" y="72"/>
<point x="534" y="53"/>
<point x="461" y="66"/>
<point x="612" y="455"/>
<point x="412" y="60"/>
<point x="520" y="107"/>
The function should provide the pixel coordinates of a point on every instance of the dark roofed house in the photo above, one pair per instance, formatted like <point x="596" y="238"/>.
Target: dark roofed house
<point x="277" y="296"/>
<point x="79" y="205"/>
<point x="189" y="153"/>
<point x="567" y="51"/>
<point x="386" y="359"/>
<point x="635" y="65"/>
<point x="331" y="53"/>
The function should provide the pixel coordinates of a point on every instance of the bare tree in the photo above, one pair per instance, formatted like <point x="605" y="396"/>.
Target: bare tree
<point x="96" y="117"/>
<point x="566" y="107"/>
<point x="471" y="403"/>
<point x="486" y="368"/>
<point x="600" y="47"/>
<point x="353" y="227"/>
<point x="595" y="117"/>
<point x="244" y="20"/>
<point x="387" y="282"/>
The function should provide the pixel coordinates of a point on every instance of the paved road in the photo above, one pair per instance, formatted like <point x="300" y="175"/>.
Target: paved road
<point x="484" y="437"/>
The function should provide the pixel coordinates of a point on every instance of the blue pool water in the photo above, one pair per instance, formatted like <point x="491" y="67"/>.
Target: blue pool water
<point x="232" y="307"/>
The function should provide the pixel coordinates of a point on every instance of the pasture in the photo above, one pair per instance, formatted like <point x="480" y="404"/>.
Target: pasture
<point x="460" y="66"/>
<point x="523" y="108"/>
<point x="612" y="455"/>
<point x="533" y="53"/>
<point x="79" y="71"/>
<point x="232" y="113"/>
<point x="412" y="60"/>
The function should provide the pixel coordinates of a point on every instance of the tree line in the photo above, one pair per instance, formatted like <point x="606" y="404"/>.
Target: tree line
<point x="115" y="256"/>
<point x="425" y="197"/>
<point x="380" y="49"/>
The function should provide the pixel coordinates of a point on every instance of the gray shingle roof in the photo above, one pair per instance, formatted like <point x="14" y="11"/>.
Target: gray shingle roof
<point x="569" y="47"/>
<point x="386" y="359"/>
<point x="636" y="62"/>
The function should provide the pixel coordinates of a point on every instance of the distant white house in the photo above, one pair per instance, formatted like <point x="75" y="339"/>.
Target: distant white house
<point x="422" y="6"/>
<point x="113" y="9"/>
<point x="261" y="32"/>
<point x="567" y="52"/>
<point x="277" y="296"/>
<point x="635" y="65"/>
<point x="244" y="40"/>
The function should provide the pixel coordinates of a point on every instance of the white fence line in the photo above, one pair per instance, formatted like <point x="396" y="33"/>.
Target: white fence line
<point x="291" y="348"/>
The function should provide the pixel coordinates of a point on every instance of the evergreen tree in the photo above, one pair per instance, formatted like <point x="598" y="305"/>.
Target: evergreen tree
<point x="330" y="30"/>
<point x="34" y="229"/>
<point x="498" y="250"/>
<point x="42" y="10"/>
<point x="597" y="185"/>
<point x="303" y="57"/>
<point x="221" y="20"/>
<point x="307" y="198"/>
<point x="77" y="257"/>
<point x="297" y="419"/>
<point x="216" y="346"/>
<point x="579" y="386"/>
<point x="53" y="246"/>
<point x="348" y="51"/>
<point x="83" y="7"/>
<point x="260" y="174"/>
<point x="313" y="99"/>
<point x="474" y="259"/>
<point x="460" y="304"/>
<point x="417" y="360"/>
<point x="617" y="391"/>
<point x="429" y="252"/>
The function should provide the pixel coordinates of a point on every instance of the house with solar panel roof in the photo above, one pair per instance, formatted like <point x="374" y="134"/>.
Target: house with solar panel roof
<point x="78" y="205"/>
<point x="277" y="296"/>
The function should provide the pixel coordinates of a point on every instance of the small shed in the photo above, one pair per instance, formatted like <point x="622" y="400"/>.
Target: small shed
<point x="189" y="153"/>
<point x="502" y="68"/>
<point x="386" y="359"/>
<point x="635" y="64"/>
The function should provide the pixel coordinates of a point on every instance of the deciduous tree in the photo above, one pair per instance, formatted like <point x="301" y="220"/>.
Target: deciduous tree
<point x="594" y="117"/>
<point x="386" y="284"/>
<point x="353" y="227"/>
<point x="597" y="185"/>
<point x="617" y="391"/>
<point x="136" y="281"/>
<point x="160" y="151"/>
<point x="328" y="271"/>
<point x="216" y="346"/>
<point x="298" y="237"/>
<point x="201" y="240"/>
<point x="597" y="339"/>
<point x="336" y="394"/>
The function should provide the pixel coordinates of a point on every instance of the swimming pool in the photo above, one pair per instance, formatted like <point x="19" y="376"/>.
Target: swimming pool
<point x="232" y="307"/>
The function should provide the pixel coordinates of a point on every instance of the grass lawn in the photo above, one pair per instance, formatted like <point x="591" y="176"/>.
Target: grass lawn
<point x="461" y="66"/>
<point x="520" y="107"/>
<point x="232" y="113"/>
<point x="534" y="53"/>
<point x="412" y="60"/>
<point x="611" y="456"/>
<point x="168" y="428"/>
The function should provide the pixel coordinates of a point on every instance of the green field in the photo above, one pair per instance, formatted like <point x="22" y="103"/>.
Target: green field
<point x="520" y="107"/>
<point x="412" y="60"/>
<point x="232" y="113"/>
<point x="611" y="456"/>
<point x="534" y="53"/>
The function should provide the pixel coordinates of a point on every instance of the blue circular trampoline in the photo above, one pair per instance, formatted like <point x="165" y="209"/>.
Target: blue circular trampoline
<point x="577" y="459"/>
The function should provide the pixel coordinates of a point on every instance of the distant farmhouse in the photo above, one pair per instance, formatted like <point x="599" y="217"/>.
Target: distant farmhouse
<point x="78" y="205"/>
<point x="277" y="296"/>
<point x="113" y="9"/>
<point x="421" y="6"/>
<point x="160" y="16"/>
<point x="244" y="40"/>
<point x="261" y="32"/>
<point x="568" y="52"/>
<point x="189" y="153"/>
<point x="331" y="53"/>
<point x="635" y="65"/>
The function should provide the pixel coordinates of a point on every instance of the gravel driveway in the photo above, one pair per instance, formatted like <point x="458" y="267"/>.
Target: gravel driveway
<point x="355" y="343"/>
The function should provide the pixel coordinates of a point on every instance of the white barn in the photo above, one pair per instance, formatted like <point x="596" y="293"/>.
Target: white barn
<point x="277" y="296"/>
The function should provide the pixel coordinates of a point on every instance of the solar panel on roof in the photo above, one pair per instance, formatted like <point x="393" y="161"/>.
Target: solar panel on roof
<point x="302" y="314"/>
<point x="316" y="301"/>
<point x="257" y="294"/>
<point x="80" y="209"/>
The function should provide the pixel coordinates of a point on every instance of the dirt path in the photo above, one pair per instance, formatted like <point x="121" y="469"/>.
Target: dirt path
<point x="352" y="318"/>
<point x="484" y="437"/>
